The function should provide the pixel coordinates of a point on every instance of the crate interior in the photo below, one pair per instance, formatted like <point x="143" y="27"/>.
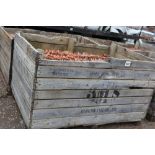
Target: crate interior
<point x="70" y="43"/>
<point x="61" y="43"/>
<point x="143" y="49"/>
<point x="80" y="44"/>
<point x="134" y="52"/>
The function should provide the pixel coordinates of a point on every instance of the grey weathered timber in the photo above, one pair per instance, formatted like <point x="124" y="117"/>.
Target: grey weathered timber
<point x="75" y="94"/>
<point x="131" y="54"/>
<point x="6" y="50"/>
<point x="23" y="109"/>
<point x="23" y="88"/>
<point x="23" y="70"/>
<point x="56" y="94"/>
<point x="150" y="54"/>
<point x="78" y="72"/>
<point x="86" y="64"/>
<point x="51" y="83"/>
<point x="66" y="103"/>
<point x="28" y="49"/>
<point x="146" y="51"/>
<point x="112" y="63"/>
<point x="88" y="120"/>
<point x="5" y="53"/>
<point x="87" y="111"/>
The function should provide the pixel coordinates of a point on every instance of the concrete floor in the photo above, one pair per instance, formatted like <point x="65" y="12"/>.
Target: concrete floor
<point x="10" y="117"/>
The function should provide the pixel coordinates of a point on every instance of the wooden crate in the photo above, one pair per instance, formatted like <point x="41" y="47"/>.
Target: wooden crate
<point x="147" y="51"/>
<point x="7" y="45"/>
<point x="57" y="94"/>
<point x="6" y="50"/>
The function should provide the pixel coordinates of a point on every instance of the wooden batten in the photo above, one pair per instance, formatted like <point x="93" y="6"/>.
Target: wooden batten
<point x="5" y="54"/>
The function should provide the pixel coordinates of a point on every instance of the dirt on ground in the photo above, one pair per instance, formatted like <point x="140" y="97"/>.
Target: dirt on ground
<point x="11" y="118"/>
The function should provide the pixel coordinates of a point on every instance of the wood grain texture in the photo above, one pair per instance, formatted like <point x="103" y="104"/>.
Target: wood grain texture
<point x="21" y="104"/>
<point x="134" y="63"/>
<point x="75" y="94"/>
<point x="58" y="40"/>
<point x="68" y="103"/>
<point x="88" y="111"/>
<point x="49" y="84"/>
<point x="5" y="53"/>
<point x="113" y="49"/>
<point x="91" y="73"/>
<point x="131" y="54"/>
<point x="91" y="49"/>
<point x="24" y="65"/>
<point x="26" y="47"/>
<point x="4" y="68"/>
<point x="87" y="120"/>
<point x="112" y="63"/>
<point x="22" y="86"/>
<point x="23" y="74"/>
<point x="5" y="35"/>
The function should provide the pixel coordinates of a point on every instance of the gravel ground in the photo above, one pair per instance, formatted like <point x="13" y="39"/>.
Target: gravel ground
<point x="10" y="117"/>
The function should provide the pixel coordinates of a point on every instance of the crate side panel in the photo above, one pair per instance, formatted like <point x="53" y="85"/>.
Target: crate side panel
<point x="23" y="75"/>
<point x="5" y="53"/>
<point x="87" y="120"/>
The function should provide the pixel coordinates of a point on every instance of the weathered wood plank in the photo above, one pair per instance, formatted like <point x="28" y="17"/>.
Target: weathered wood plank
<point x="27" y="100"/>
<point x="21" y="104"/>
<point x="147" y="46"/>
<point x="131" y="54"/>
<point x="112" y="63"/>
<point x="91" y="45"/>
<point x="26" y="47"/>
<point x="91" y="49"/>
<point x="68" y="103"/>
<point x="91" y="73"/>
<point x="24" y="66"/>
<point x="71" y="44"/>
<point x="87" y="111"/>
<point x="24" y="59"/>
<point x="5" y="50"/>
<point x="22" y="79"/>
<point x="6" y="37"/>
<point x="64" y="94"/>
<point x="5" y="53"/>
<point x="5" y="67"/>
<point x="113" y="49"/>
<point x="134" y="64"/>
<point x="45" y="46"/>
<point x="24" y="72"/>
<point x="49" y="84"/>
<point x="146" y="53"/>
<point x="12" y="31"/>
<point x="152" y="55"/>
<point x="58" y="40"/>
<point x="87" y="64"/>
<point x="21" y="84"/>
<point x="88" y="120"/>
